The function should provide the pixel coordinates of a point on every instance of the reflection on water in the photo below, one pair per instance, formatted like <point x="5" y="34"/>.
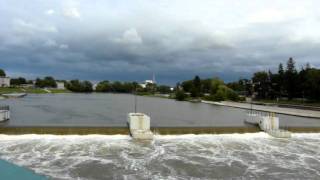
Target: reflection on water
<point x="247" y="156"/>
<point x="112" y="109"/>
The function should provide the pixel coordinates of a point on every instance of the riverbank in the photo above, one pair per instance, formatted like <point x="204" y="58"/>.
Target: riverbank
<point x="279" y="110"/>
<point x="156" y="130"/>
<point x="7" y="90"/>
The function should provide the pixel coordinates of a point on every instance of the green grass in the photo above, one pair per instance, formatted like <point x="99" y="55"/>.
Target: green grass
<point x="6" y="90"/>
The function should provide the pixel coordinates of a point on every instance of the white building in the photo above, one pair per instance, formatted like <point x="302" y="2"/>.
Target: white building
<point x="144" y="85"/>
<point x="4" y="82"/>
<point x="60" y="85"/>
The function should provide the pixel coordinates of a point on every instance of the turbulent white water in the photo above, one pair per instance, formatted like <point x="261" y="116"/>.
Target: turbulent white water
<point x="255" y="156"/>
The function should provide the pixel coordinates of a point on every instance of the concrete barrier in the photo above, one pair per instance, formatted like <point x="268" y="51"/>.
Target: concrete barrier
<point x="139" y="126"/>
<point x="4" y="113"/>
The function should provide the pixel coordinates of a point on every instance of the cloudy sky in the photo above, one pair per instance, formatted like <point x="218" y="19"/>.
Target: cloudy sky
<point x="175" y="39"/>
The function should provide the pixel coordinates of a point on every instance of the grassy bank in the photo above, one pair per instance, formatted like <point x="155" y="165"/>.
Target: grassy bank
<point x="6" y="90"/>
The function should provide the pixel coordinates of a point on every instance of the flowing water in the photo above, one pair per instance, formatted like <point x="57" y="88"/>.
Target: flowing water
<point x="229" y="156"/>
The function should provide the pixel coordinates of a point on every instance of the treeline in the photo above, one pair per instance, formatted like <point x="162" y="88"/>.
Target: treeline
<point x="288" y="83"/>
<point x="79" y="86"/>
<point x="130" y="87"/>
<point x="47" y="82"/>
<point x="210" y="89"/>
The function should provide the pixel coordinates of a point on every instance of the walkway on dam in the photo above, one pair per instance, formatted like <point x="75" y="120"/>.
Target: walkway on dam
<point x="280" y="110"/>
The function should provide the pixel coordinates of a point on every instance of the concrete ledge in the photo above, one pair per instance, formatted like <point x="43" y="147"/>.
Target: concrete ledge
<point x="156" y="130"/>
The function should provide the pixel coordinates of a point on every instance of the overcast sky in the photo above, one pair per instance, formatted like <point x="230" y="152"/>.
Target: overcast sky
<point x="175" y="39"/>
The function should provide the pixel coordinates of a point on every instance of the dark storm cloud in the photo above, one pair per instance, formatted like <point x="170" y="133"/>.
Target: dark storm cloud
<point x="123" y="40"/>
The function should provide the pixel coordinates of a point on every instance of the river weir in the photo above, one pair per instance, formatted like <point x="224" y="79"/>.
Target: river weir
<point x="89" y="139"/>
<point x="242" y="156"/>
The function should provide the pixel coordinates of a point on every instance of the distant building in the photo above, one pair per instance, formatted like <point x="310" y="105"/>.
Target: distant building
<point x="4" y="82"/>
<point x="60" y="85"/>
<point x="146" y="82"/>
<point x="144" y="85"/>
<point x="94" y="86"/>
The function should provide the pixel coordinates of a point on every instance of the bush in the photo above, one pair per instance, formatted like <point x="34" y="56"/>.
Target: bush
<point x="78" y="86"/>
<point x="180" y="95"/>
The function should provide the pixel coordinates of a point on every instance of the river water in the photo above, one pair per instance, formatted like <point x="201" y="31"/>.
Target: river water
<point x="229" y="156"/>
<point x="111" y="110"/>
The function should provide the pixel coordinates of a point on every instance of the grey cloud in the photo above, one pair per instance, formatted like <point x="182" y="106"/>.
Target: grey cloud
<point x="105" y="45"/>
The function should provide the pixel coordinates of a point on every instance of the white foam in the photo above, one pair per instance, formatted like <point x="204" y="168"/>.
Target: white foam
<point x="59" y="137"/>
<point x="234" y="135"/>
<point x="59" y="155"/>
<point x="127" y="137"/>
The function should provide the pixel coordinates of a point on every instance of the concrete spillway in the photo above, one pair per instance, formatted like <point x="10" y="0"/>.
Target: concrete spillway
<point x="4" y="113"/>
<point x="268" y="123"/>
<point x="139" y="126"/>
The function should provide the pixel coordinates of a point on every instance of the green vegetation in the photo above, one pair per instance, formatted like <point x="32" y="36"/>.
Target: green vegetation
<point x="180" y="95"/>
<point x="125" y="87"/>
<point x="7" y="90"/>
<point x="79" y="86"/>
<point x="47" y="82"/>
<point x="18" y="81"/>
<point x="131" y="87"/>
<point x="2" y="73"/>
<point x="289" y="84"/>
<point x="208" y="89"/>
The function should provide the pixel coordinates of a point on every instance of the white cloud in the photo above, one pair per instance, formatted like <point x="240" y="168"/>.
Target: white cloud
<point x="50" y="12"/>
<point x="24" y="27"/>
<point x="63" y="46"/>
<point x="50" y="43"/>
<point x="72" y="13"/>
<point x="273" y="15"/>
<point x="130" y="36"/>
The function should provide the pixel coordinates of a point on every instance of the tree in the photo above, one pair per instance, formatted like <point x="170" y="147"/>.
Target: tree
<point x="206" y="85"/>
<point x="164" y="89"/>
<point x="290" y="79"/>
<point x="196" y="87"/>
<point x="47" y="82"/>
<point x="261" y="84"/>
<point x="280" y="80"/>
<point x="312" y="85"/>
<point x="180" y="95"/>
<point x="2" y="73"/>
<point x="215" y="83"/>
<point x="18" y="81"/>
<point x="78" y="86"/>
<point x="104" y="86"/>
<point x="187" y="85"/>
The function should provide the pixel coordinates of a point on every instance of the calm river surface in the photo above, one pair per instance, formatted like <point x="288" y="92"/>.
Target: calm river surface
<point x="111" y="110"/>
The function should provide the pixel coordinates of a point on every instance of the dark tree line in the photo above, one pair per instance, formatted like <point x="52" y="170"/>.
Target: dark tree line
<point x="117" y="86"/>
<point x="288" y="83"/>
<point x="18" y="81"/>
<point x="47" y="82"/>
<point x="210" y="89"/>
<point x="79" y="86"/>
<point x="130" y="87"/>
